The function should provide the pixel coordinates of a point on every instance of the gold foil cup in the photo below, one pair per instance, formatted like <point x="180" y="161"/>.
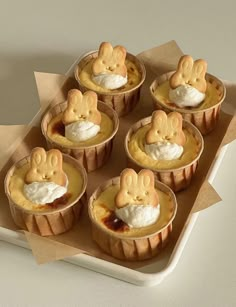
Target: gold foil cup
<point x="123" y="102"/>
<point x="176" y="178"/>
<point x="206" y="119"/>
<point x="130" y="248"/>
<point x="93" y="156"/>
<point x="50" y="222"/>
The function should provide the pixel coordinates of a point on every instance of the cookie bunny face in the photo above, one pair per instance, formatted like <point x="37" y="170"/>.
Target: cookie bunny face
<point x="166" y="128"/>
<point x="110" y="60"/>
<point x="46" y="167"/>
<point x="190" y="72"/>
<point x="81" y="107"/>
<point x="136" y="189"/>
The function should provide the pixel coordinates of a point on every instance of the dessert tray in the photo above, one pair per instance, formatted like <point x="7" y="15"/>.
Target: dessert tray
<point x="146" y="276"/>
<point x="200" y="195"/>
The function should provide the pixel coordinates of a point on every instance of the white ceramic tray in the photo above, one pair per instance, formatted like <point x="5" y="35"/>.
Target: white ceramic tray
<point x="150" y="275"/>
<point x="146" y="276"/>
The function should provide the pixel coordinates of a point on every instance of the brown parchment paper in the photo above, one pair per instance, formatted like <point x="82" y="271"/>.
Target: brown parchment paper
<point x="52" y="89"/>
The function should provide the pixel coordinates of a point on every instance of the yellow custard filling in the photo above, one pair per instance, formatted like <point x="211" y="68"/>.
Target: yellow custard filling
<point x="56" y="132"/>
<point x="212" y="96"/>
<point x="16" y="188"/>
<point x="133" y="74"/>
<point x="104" y="205"/>
<point x="137" y="151"/>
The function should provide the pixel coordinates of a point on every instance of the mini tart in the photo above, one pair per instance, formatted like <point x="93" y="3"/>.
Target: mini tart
<point x="122" y="100"/>
<point x="177" y="174"/>
<point x="48" y="219"/>
<point x="123" y="242"/>
<point x="205" y="116"/>
<point x="92" y="153"/>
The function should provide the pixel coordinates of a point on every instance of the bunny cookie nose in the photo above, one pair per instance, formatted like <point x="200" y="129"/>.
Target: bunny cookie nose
<point x="82" y="116"/>
<point x="138" y="198"/>
<point x="111" y="68"/>
<point x="167" y="138"/>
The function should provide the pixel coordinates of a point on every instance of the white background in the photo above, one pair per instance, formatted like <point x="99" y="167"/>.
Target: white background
<point x="49" y="36"/>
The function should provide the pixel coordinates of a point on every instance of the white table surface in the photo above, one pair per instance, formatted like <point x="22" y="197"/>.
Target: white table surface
<point x="43" y="36"/>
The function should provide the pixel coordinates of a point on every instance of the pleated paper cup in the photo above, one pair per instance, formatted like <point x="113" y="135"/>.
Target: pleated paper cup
<point x="176" y="178"/>
<point x="50" y="222"/>
<point x="206" y="119"/>
<point x="93" y="156"/>
<point x="123" y="102"/>
<point x="130" y="248"/>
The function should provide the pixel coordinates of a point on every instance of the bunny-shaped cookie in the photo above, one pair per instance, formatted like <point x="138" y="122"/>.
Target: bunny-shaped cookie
<point x="190" y="72"/>
<point x="110" y="60"/>
<point x="46" y="167"/>
<point x="136" y="188"/>
<point x="166" y="128"/>
<point x="81" y="107"/>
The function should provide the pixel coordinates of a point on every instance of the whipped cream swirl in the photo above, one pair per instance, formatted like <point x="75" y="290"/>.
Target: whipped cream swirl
<point x="164" y="150"/>
<point x="138" y="215"/>
<point x="186" y="96"/>
<point x="110" y="81"/>
<point x="81" y="131"/>
<point x="43" y="192"/>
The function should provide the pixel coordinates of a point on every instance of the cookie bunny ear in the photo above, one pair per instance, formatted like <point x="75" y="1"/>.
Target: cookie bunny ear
<point x="128" y="178"/>
<point x="37" y="157"/>
<point x="175" y="121"/>
<point x="158" y="127"/>
<point x="146" y="178"/>
<point x="183" y="72"/>
<point x="74" y="100"/>
<point x="74" y="96"/>
<point x="54" y="159"/>
<point x="105" y="50"/>
<point x="55" y="167"/>
<point x="119" y="53"/>
<point x="159" y="119"/>
<point x="37" y="164"/>
<point x="90" y="99"/>
<point x="90" y="107"/>
<point x="128" y="183"/>
<point x="175" y="126"/>
<point x="147" y="184"/>
<point x="200" y="68"/>
<point x="185" y="65"/>
<point x="198" y="75"/>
